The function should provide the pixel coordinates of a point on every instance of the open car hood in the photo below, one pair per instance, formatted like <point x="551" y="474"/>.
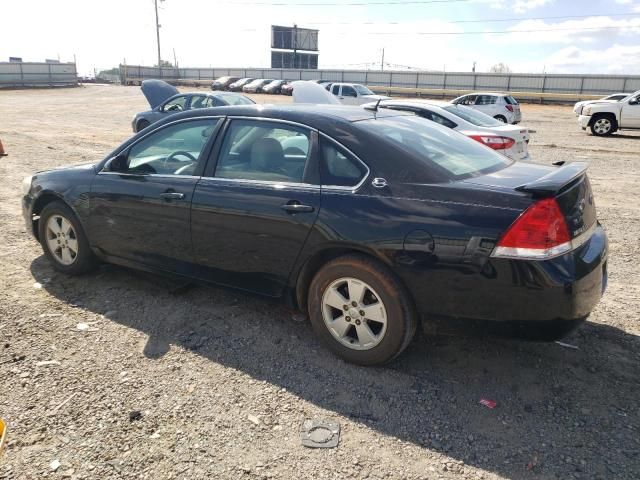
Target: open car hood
<point x="311" y="92"/>
<point x="157" y="91"/>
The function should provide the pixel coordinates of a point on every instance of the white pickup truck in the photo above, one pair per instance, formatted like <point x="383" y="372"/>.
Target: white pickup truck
<point x="606" y="118"/>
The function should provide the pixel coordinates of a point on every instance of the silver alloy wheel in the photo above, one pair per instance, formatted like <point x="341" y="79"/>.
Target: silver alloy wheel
<point x="602" y="126"/>
<point x="354" y="313"/>
<point x="62" y="240"/>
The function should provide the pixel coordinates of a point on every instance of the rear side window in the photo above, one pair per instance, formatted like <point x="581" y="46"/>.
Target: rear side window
<point x="337" y="167"/>
<point x="335" y="89"/>
<point x="441" y="120"/>
<point x="268" y="151"/>
<point x="510" y="100"/>
<point x="485" y="100"/>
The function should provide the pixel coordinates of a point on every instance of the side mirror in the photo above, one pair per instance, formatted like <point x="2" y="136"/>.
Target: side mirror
<point x="634" y="101"/>
<point x="118" y="163"/>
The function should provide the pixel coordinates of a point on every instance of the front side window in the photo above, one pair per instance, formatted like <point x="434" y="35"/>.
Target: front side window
<point x="338" y="167"/>
<point x="176" y="104"/>
<point x="436" y="148"/>
<point x="267" y="151"/>
<point x="173" y="150"/>
<point x="348" y="91"/>
<point x="335" y="89"/>
<point x="468" y="100"/>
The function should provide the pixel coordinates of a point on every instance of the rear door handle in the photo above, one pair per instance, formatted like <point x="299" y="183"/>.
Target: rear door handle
<point x="296" y="207"/>
<point x="172" y="195"/>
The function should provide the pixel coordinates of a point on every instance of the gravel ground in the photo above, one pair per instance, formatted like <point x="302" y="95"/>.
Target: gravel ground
<point x="164" y="381"/>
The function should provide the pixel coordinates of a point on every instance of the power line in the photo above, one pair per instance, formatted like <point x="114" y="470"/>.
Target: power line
<point x="520" y="19"/>
<point x="344" y="4"/>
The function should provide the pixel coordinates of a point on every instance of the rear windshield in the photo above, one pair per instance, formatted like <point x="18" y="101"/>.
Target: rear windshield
<point x="437" y="146"/>
<point x="473" y="116"/>
<point x="510" y="100"/>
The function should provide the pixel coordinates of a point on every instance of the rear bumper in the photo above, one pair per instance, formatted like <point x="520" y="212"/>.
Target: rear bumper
<point x="562" y="290"/>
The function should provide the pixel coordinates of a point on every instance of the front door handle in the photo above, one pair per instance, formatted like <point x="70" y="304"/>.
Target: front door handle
<point x="172" y="195"/>
<point x="296" y="207"/>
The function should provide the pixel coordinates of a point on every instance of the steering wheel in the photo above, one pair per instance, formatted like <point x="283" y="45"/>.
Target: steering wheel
<point x="171" y="158"/>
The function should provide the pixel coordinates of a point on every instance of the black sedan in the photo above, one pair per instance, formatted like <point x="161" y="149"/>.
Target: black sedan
<point x="369" y="221"/>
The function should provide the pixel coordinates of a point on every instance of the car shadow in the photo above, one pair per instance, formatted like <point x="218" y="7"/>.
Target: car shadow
<point x="561" y="412"/>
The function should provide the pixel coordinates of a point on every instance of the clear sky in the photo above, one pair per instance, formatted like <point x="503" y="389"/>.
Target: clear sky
<point x="352" y="33"/>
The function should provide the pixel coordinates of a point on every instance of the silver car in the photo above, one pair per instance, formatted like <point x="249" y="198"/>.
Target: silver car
<point x="165" y="99"/>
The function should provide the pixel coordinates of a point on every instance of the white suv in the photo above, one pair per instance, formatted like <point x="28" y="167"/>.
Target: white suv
<point x="500" y="106"/>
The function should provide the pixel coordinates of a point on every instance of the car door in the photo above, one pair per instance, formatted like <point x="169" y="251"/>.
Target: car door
<point x="139" y="205"/>
<point x="486" y="104"/>
<point x="630" y="114"/>
<point x="256" y="204"/>
<point x="348" y="95"/>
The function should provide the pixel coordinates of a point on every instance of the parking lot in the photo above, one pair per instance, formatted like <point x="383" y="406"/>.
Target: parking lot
<point x="120" y="374"/>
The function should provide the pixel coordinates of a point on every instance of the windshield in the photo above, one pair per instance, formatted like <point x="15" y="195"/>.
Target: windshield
<point x="362" y="90"/>
<point x="437" y="146"/>
<point x="629" y="97"/>
<point x="473" y="116"/>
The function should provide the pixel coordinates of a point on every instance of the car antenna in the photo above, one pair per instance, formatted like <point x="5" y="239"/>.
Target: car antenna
<point x="373" y="108"/>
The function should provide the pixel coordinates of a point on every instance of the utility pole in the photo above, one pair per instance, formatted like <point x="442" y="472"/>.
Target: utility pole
<point x="175" y="60"/>
<point x="382" y="61"/>
<point x="295" y="44"/>
<point x="474" y="67"/>
<point x="155" y="2"/>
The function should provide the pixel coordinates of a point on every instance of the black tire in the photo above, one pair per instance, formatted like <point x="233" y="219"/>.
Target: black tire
<point x="603" y="125"/>
<point x="401" y="316"/>
<point x="85" y="260"/>
<point x="141" y="125"/>
<point x="501" y="118"/>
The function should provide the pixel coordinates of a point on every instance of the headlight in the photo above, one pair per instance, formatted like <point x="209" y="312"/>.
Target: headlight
<point x="586" y="111"/>
<point x="26" y="185"/>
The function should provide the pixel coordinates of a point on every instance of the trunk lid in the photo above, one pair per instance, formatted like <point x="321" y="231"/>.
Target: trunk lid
<point x="568" y="184"/>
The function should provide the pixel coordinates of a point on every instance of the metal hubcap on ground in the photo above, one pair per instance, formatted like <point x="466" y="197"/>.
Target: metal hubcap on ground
<point x="354" y="313"/>
<point x="62" y="240"/>
<point x="602" y="126"/>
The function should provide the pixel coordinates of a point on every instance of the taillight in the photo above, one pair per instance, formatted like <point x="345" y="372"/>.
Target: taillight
<point x="509" y="107"/>
<point x="539" y="233"/>
<point x="494" y="141"/>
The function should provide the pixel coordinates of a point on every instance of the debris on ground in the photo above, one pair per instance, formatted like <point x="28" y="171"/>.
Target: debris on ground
<point x="488" y="403"/>
<point x="320" y="433"/>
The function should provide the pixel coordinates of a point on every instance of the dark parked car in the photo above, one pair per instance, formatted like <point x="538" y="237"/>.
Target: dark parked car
<point x="165" y="100"/>
<point x="223" y="83"/>
<point x="274" y="86"/>
<point x="256" y="85"/>
<point x="302" y="203"/>
<point x="287" y="89"/>
<point x="237" y="85"/>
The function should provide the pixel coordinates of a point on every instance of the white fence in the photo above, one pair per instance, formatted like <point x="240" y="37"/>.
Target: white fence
<point x="37" y="74"/>
<point x="515" y="82"/>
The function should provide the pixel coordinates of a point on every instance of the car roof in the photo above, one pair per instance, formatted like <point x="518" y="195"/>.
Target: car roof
<point x="417" y="103"/>
<point x="315" y="116"/>
<point x="497" y="94"/>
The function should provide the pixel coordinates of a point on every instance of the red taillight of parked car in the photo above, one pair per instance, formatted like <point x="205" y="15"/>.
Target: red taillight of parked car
<point x="540" y="232"/>
<point x="509" y="107"/>
<point x="494" y="141"/>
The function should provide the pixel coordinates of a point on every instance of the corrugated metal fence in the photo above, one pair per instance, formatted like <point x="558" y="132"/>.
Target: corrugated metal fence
<point x="515" y="82"/>
<point x="30" y="74"/>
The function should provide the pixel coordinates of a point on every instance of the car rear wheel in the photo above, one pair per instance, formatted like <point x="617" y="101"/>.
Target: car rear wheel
<point x="142" y="124"/>
<point x="63" y="240"/>
<point x="501" y="118"/>
<point x="602" y="125"/>
<point x="360" y="311"/>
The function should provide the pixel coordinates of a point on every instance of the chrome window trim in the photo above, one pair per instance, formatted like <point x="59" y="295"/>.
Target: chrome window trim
<point x="263" y="183"/>
<point x="339" y="188"/>
<point x="157" y="175"/>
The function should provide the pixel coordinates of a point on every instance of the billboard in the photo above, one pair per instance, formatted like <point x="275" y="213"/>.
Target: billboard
<point x="294" y="60"/>
<point x="294" y="38"/>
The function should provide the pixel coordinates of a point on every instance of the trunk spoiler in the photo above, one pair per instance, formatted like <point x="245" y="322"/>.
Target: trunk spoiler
<point x="553" y="182"/>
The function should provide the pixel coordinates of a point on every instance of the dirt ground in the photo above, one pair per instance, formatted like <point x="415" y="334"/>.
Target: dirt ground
<point x="209" y="383"/>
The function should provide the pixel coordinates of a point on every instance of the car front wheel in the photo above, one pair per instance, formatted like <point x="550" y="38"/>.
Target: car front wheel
<point x="602" y="126"/>
<point x="501" y="118"/>
<point x="63" y="240"/>
<point x="360" y="310"/>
